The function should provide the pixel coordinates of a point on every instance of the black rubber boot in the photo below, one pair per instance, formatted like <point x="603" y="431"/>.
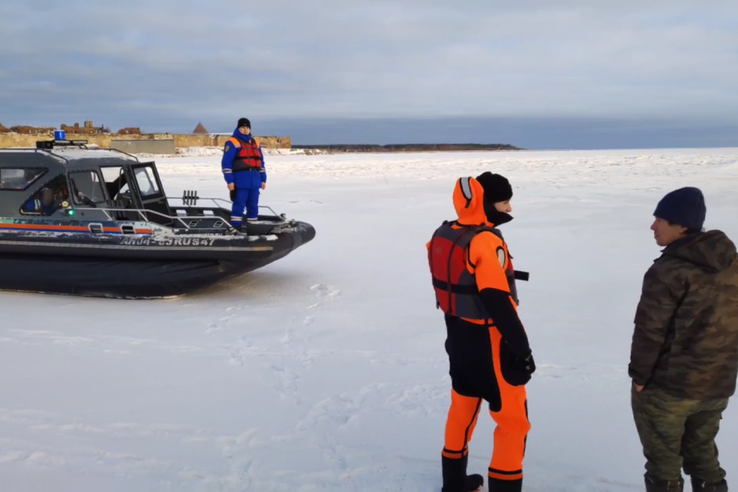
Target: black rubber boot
<point x="455" y="478"/>
<point x="473" y="482"/>
<point x="664" y="486"/>
<point x="699" y="485"/>
<point x="496" y="485"/>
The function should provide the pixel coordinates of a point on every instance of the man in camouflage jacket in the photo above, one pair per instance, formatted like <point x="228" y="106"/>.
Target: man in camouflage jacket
<point x="684" y="355"/>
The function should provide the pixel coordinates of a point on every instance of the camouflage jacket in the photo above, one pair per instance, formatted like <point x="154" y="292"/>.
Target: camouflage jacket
<point x="686" y="324"/>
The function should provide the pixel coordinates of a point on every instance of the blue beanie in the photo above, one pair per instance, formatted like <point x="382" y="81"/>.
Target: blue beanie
<point x="685" y="206"/>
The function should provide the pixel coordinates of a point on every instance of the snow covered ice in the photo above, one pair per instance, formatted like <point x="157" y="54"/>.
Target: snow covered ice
<point x="326" y="370"/>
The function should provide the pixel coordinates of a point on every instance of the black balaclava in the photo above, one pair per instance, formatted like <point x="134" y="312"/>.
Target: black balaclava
<point x="496" y="189"/>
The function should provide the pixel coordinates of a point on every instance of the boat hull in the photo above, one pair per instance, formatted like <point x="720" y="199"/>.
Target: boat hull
<point x="134" y="267"/>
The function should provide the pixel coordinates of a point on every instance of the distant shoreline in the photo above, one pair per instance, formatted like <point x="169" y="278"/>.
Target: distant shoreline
<point x="335" y="148"/>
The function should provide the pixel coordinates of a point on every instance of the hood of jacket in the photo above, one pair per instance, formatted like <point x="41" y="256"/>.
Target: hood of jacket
<point x="712" y="251"/>
<point x="239" y="135"/>
<point x="471" y="206"/>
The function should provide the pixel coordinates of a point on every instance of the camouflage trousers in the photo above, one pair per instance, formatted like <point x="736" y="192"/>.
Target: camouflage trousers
<point x="678" y="433"/>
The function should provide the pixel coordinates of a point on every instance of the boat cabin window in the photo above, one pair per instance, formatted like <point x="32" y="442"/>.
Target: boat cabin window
<point x="49" y="199"/>
<point x="146" y="181"/>
<point x="18" y="179"/>
<point x="116" y="182"/>
<point x="87" y="188"/>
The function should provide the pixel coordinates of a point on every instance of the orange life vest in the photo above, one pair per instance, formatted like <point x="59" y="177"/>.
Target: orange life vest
<point x="455" y="287"/>
<point x="249" y="156"/>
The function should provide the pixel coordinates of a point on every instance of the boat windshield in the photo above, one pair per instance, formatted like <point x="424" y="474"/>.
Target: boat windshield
<point x="87" y="187"/>
<point x="146" y="181"/>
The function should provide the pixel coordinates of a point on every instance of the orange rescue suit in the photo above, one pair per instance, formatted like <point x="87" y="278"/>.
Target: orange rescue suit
<point x="474" y="284"/>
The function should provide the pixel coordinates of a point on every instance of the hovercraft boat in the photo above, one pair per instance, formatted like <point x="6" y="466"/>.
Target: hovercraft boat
<point x="96" y="222"/>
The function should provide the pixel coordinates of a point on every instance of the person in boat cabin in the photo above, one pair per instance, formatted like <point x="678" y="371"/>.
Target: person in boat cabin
<point x="244" y="172"/>
<point x="46" y="201"/>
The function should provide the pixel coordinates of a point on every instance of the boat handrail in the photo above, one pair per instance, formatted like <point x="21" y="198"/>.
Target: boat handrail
<point x="143" y="214"/>
<point x="216" y="201"/>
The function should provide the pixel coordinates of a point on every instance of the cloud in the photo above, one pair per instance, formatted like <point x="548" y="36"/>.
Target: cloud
<point x="166" y="65"/>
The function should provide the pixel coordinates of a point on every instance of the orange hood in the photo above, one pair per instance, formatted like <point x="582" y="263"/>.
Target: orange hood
<point x="469" y="202"/>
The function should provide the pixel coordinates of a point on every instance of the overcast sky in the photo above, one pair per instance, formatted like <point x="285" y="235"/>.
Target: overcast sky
<point x="539" y="74"/>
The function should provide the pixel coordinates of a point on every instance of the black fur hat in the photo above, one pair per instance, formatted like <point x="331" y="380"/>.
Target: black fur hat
<point x="496" y="187"/>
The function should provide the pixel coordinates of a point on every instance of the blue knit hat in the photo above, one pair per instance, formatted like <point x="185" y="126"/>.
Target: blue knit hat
<point x="685" y="206"/>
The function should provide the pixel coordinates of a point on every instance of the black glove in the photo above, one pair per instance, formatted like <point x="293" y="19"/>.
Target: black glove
<point x="516" y="370"/>
<point x="527" y="365"/>
<point x="233" y="195"/>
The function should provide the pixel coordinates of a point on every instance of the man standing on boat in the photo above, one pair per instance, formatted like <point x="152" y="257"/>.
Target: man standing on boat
<point x="244" y="171"/>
